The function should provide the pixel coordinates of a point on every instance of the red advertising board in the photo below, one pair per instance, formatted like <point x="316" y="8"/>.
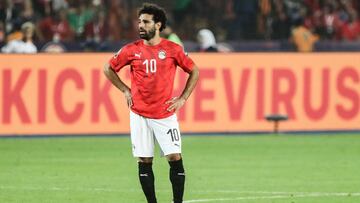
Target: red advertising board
<point x="68" y="93"/>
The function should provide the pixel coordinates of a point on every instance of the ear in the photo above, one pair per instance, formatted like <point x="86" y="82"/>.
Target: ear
<point x="158" y="25"/>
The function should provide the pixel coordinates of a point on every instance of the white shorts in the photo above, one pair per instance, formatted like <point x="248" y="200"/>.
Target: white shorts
<point x="144" y="132"/>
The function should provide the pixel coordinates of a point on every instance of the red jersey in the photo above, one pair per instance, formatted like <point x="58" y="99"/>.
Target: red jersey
<point x="152" y="70"/>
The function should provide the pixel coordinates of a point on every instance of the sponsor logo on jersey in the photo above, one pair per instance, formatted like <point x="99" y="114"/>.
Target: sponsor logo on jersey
<point x="138" y="55"/>
<point x="162" y="54"/>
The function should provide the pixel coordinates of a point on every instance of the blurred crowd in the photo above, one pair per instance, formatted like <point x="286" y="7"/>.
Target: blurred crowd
<point x="96" y="24"/>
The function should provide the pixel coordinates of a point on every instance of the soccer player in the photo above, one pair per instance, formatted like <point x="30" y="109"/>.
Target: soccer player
<point x="153" y="61"/>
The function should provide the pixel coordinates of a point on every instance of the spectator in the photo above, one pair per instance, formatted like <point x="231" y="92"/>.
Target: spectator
<point x="22" y="46"/>
<point x="207" y="41"/>
<point x="280" y="23"/>
<point x="97" y="30"/>
<point x="181" y="9"/>
<point x="228" y="20"/>
<point x="350" y="31"/>
<point x="28" y="12"/>
<point x="264" y="18"/>
<point x="56" y="27"/>
<point x="78" y="17"/>
<point x="58" y="5"/>
<point x="53" y="47"/>
<point x="2" y="32"/>
<point x="302" y="37"/>
<point x="330" y="22"/>
<point x="116" y="14"/>
<point x="169" y="34"/>
<point x="240" y="19"/>
<point x="9" y="14"/>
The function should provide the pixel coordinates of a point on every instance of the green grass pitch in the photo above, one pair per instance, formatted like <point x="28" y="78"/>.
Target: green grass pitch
<point x="252" y="169"/>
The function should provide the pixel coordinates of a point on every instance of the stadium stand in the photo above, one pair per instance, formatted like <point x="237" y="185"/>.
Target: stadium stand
<point x="249" y="25"/>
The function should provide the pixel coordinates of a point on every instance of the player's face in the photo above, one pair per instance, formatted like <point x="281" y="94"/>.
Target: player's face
<point x="147" y="29"/>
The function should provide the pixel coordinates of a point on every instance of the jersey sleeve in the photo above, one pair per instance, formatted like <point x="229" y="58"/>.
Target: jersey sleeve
<point x="183" y="60"/>
<point x="120" y="59"/>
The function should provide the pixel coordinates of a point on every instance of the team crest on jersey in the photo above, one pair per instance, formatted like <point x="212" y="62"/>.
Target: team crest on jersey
<point x="162" y="54"/>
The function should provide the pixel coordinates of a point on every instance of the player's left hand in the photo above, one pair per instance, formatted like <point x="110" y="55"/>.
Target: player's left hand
<point x="175" y="103"/>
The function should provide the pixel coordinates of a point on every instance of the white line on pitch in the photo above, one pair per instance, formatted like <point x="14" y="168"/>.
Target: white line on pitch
<point x="297" y="195"/>
<point x="244" y="192"/>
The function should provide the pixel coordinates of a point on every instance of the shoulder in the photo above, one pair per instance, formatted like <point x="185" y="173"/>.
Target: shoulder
<point x="172" y="44"/>
<point x="16" y="42"/>
<point x="31" y="46"/>
<point x="11" y="45"/>
<point x="129" y="47"/>
<point x="173" y="47"/>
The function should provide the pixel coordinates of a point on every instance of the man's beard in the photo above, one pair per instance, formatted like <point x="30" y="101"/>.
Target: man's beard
<point x="148" y="35"/>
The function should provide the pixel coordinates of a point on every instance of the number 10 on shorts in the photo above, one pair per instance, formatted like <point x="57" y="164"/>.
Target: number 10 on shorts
<point x="174" y="133"/>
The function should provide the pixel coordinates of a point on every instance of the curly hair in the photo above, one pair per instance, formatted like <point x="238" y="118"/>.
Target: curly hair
<point x="158" y="13"/>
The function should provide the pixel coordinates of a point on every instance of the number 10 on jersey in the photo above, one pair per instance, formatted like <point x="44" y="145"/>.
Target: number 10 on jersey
<point x="150" y="65"/>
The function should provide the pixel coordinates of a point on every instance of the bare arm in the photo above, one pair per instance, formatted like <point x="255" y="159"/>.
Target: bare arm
<point x="178" y="102"/>
<point x="117" y="82"/>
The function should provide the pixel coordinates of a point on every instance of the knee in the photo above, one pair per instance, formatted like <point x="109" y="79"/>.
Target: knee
<point x="147" y="160"/>
<point x="173" y="157"/>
